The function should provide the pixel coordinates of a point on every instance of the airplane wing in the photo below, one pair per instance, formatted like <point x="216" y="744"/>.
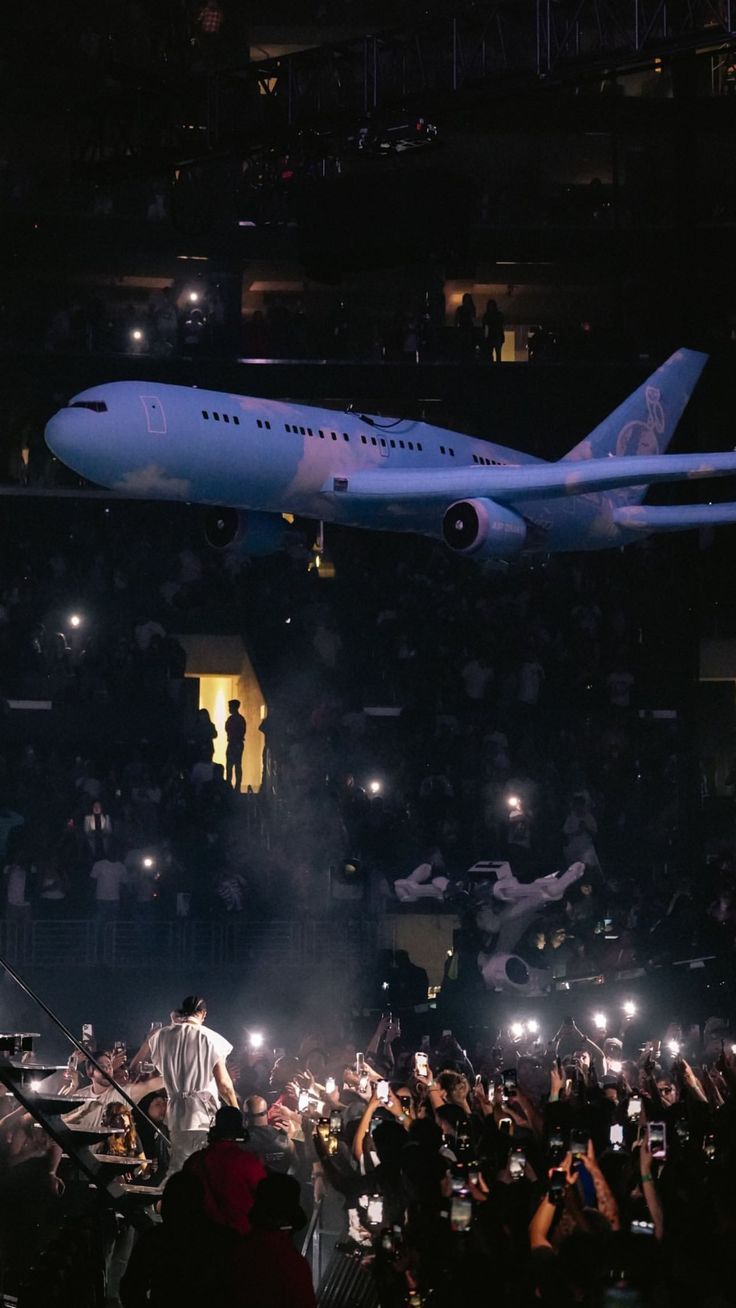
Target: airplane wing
<point x="530" y="481"/>
<point x="674" y="517"/>
<point x="13" y="490"/>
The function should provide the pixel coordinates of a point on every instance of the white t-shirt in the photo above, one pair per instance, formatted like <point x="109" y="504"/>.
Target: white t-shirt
<point x="88" y="1117"/>
<point x="109" y="877"/>
<point x="16" y="878"/>
<point x="185" y="1054"/>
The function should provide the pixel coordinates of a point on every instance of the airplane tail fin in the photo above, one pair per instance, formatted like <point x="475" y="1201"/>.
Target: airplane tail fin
<point x="645" y="423"/>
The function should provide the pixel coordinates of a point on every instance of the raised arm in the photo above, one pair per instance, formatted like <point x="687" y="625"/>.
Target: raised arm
<point x="224" y="1083"/>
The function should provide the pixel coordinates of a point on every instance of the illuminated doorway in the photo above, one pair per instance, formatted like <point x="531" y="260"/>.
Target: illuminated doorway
<point x="224" y="671"/>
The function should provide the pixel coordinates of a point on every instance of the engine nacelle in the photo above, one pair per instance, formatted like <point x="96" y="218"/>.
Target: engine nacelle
<point x="483" y="529"/>
<point x="246" y="534"/>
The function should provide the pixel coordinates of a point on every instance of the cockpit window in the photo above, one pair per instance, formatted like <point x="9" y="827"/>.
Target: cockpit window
<point x="97" y="406"/>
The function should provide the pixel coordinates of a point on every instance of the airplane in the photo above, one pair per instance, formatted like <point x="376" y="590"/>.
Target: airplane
<point x="255" y="460"/>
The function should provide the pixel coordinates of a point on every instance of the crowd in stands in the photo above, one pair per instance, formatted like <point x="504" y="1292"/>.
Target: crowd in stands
<point x="589" y="1166"/>
<point x="535" y="714"/>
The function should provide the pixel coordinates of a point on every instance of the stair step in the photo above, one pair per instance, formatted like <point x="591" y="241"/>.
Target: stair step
<point x="18" y="1042"/>
<point x="78" y="1137"/>
<point x="55" y="1105"/>
<point x="17" y="1070"/>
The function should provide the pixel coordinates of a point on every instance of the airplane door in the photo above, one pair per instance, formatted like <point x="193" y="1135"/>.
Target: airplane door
<point x="155" y="416"/>
<point x="383" y="445"/>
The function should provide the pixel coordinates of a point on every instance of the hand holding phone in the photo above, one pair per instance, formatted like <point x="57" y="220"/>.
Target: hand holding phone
<point x="421" y="1065"/>
<point x="382" y="1092"/>
<point x="657" y="1139"/>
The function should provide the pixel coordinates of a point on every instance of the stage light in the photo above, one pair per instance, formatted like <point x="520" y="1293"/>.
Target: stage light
<point x="532" y="1026"/>
<point x="375" y="787"/>
<point x="148" y="861"/>
<point x="629" y="1008"/>
<point x="136" y="334"/>
<point x="75" y="620"/>
<point x="513" y="802"/>
<point x="517" y="1030"/>
<point x="255" y="1039"/>
<point x="600" y="1021"/>
<point x="194" y="297"/>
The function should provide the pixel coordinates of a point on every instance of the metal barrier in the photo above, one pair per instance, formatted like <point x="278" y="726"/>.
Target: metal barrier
<point x="178" y="943"/>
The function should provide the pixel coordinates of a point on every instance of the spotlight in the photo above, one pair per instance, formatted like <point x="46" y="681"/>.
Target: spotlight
<point x="513" y="802"/>
<point x="194" y="297"/>
<point x="136" y="334"/>
<point x="148" y="861"/>
<point x="75" y="620"/>
<point x="517" y="1030"/>
<point x="599" y="1021"/>
<point x="532" y="1026"/>
<point x="255" y="1039"/>
<point x="375" y="787"/>
<point x="674" y="1047"/>
<point x="384" y="985"/>
<point x="629" y="1008"/>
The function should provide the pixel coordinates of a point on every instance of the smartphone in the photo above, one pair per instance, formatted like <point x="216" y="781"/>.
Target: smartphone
<point x="517" y="1164"/>
<point x="382" y="1091"/>
<point x="709" y="1147"/>
<point x="335" y="1122"/>
<point x="303" y="1101"/>
<point x="505" y="1124"/>
<point x="421" y="1063"/>
<point x="458" y="1179"/>
<point x="88" y="1033"/>
<point x="642" y="1228"/>
<point x="461" y="1213"/>
<point x="557" y="1186"/>
<point x="359" y="1063"/>
<point x="616" y="1137"/>
<point x="375" y="1210"/>
<point x="657" y="1139"/>
<point x="473" y="1176"/>
<point x="323" y="1128"/>
<point x="510" y="1080"/>
<point x="557" y="1146"/>
<point x="578" y="1143"/>
<point x="633" y="1108"/>
<point x="364" y="1084"/>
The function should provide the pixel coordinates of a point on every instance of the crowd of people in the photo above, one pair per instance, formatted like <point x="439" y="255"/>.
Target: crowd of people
<point x="536" y="715"/>
<point x="588" y="1166"/>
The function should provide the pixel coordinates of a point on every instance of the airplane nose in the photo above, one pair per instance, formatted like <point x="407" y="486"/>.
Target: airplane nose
<point x="65" y="435"/>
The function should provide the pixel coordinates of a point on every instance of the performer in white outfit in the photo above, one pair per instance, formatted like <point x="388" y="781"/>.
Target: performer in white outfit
<point x="191" y="1060"/>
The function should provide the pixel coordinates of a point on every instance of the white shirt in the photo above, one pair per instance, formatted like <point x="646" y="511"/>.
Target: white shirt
<point x="16" y="876"/>
<point x="89" y="1116"/>
<point x="185" y="1054"/>
<point x="109" y="877"/>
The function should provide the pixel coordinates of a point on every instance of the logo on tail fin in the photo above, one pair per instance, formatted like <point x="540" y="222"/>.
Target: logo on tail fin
<point x="642" y="437"/>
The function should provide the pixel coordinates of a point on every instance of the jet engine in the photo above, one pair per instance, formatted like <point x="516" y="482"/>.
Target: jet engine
<point x="483" y="529"/>
<point x="246" y="534"/>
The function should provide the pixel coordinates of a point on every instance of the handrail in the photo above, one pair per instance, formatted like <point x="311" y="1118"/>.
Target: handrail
<point x="311" y="1227"/>
<point x="78" y="1045"/>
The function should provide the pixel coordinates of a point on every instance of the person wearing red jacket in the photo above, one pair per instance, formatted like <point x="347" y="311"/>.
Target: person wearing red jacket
<point x="228" y="1173"/>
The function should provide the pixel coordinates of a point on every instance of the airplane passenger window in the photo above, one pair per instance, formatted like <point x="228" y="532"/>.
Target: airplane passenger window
<point x="268" y="424"/>
<point x="442" y="449"/>
<point x="236" y="420"/>
<point x="258" y="422"/>
<point x="373" y="440"/>
<point x="452" y="453"/>
<point x="225" y="417"/>
<point x="205" y="413"/>
<point x="334" y="435"/>
<point x="364" y="440"/>
<point x="216" y="417"/>
<point x="345" y="436"/>
<point x="411" y="445"/>
<point x="303" y="431"/>
<point x="418" y="446"/>
<point x="401" y="445"/>
<point x="393" y="445"/>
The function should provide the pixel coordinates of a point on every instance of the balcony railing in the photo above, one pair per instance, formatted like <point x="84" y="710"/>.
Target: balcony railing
<point x="180" y="943"/>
